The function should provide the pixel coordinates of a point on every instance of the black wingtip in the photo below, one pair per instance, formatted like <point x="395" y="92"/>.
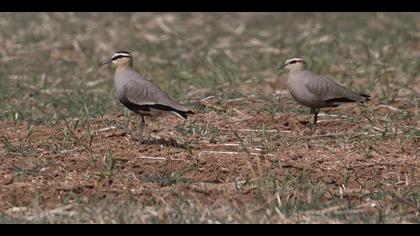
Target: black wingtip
<point x="185" y="114"/>
<point x="367" y="97"/>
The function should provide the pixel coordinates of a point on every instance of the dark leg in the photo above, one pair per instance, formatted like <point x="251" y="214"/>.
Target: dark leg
<point x="315" y="111"/>
<point x="142" y="123"/>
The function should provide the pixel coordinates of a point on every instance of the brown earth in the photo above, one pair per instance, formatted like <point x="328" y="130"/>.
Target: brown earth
<point x="203" y="159"/>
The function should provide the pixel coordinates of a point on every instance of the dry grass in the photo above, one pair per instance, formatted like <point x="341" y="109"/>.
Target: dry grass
<point x="245" y="157"/>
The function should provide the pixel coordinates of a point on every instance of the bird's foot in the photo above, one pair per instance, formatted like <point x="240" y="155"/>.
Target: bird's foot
<point x="141" y="140"/>
<point x="128" y="132"/>
<point x="314" y="129"/>
<point x="141" y="136"/>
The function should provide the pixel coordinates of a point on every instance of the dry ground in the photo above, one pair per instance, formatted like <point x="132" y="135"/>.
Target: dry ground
<point x="247" y="162"/>
<point x="246" y="156"/>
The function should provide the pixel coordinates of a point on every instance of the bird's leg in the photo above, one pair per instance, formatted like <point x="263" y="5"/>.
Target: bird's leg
<point x="142" y="123"/>
<point x="315" y="112"/>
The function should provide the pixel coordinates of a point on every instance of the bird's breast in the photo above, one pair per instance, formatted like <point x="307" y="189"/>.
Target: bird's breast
<point x="300" y="93"/>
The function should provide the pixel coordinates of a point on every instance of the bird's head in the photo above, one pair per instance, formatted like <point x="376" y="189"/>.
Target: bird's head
<point x="121" y="59"/>
<point x="294" y="64"/>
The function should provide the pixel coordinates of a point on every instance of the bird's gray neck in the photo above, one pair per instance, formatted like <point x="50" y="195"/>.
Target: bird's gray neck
<point x="125" y="67"/>
<point x="298" y="70"/>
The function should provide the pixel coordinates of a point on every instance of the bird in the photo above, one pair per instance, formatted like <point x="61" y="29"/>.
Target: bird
<point x="140" y="95"/>
<point x="315" y="91"/>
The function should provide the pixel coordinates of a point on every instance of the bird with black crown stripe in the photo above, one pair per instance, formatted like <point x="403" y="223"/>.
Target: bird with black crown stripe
<point x="140" y="95"/>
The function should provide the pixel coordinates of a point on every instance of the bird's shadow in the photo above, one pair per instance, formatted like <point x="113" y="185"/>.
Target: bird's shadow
<point x="165" y="142"/>
<point x="159" y="141"/>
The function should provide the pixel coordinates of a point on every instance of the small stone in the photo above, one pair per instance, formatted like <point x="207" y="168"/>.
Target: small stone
<point x="7" y="179"/>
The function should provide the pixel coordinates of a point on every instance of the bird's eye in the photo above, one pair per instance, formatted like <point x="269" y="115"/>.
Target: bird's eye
<point x="292" y="62"/>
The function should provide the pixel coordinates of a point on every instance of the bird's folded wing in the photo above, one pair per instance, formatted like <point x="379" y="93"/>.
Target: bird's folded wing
<point x="146" y="93"/>
<point x="324" y="89"/>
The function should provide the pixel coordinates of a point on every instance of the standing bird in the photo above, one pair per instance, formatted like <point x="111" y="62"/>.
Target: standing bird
<point x="140" y="95"/>
<point x="316" y="92"/>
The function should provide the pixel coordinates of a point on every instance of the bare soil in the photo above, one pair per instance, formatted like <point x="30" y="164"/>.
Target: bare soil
<point x="208" y="166"/>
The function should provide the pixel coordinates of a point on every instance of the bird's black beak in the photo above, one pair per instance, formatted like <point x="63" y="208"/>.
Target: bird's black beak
<point x="106" y="63"/>
<point x="280" y="67"/>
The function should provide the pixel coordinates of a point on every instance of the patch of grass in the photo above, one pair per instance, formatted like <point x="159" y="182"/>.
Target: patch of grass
<point x="50" y="75"/>
<point x="16" y="148"/>
<point x="108" y="168"/>
<point x="167" y="178"/>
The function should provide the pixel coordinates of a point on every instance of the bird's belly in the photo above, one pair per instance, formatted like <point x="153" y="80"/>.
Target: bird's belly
<point x="312" y="102"/>
<point x="155" y="112"/>
<point x="303" y="97"/>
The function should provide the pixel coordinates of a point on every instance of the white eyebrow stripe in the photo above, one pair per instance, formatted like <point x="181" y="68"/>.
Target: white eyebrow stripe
<point x="121" y="55"/>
